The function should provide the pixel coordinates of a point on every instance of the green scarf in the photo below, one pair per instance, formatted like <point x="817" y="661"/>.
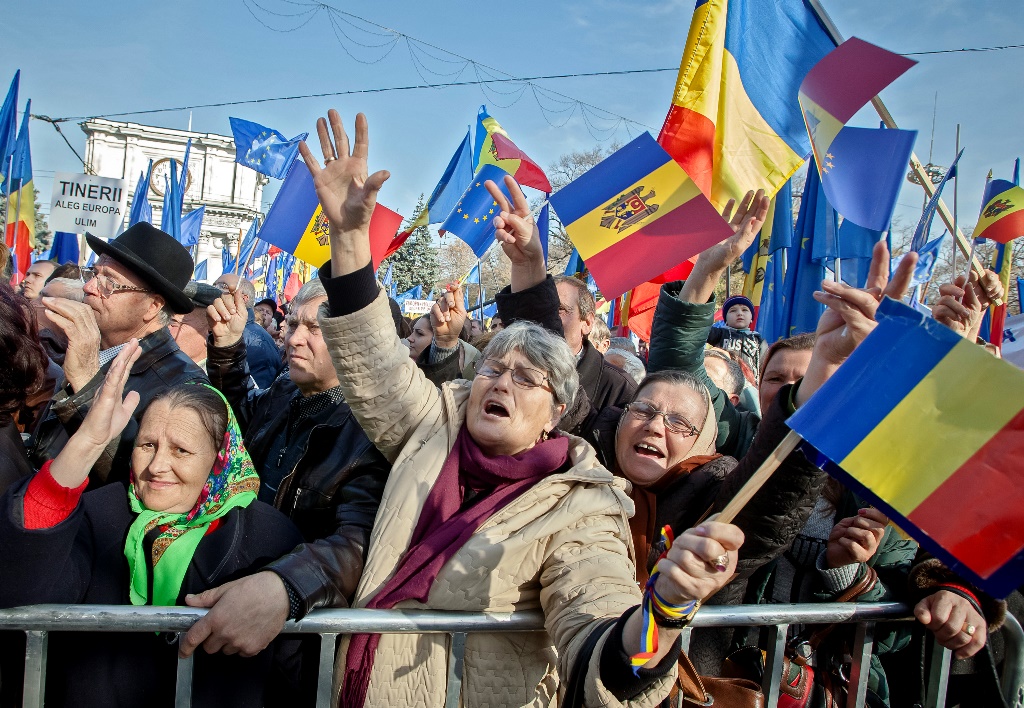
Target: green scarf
<point x="233" y="482"/>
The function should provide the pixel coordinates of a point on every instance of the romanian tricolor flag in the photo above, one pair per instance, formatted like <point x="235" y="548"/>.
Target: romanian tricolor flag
<point x="908" y="421"/>
<point x="636" y="215"/>
<point x="296" y="223"/>
<point x="21" y="204"/>
<point x="511" y="159"/>
<point x="1002" y="215"/>
<point x="861" y="169"/>
<point x="734" y="123"/>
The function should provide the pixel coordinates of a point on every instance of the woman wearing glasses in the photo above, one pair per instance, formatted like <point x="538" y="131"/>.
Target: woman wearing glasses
<point x="488" y="507"/>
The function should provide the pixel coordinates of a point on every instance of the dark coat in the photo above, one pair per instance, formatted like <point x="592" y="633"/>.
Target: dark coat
<point x="14" y="464"/>
<point x="161" y="366"/>
<point x="770" y="520"/>
<point x="81" y="560"/>
<point x="678" y="335"/>
<point x="262" y="352"/>
<point x="604" y="384"/>
<point x="334" y="486"/>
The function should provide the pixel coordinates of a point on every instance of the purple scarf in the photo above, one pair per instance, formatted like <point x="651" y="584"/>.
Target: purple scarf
<point x="443" y="529"/>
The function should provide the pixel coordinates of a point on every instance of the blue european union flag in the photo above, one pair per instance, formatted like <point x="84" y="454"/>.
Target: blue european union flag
<point x="170" y="219"/>
<point x="264" y="149"/>
<point x="141" y="209"/>
<point x="800" y="311"/>
<point x="924" y="226"/>
<point x="200" y="273"/>
<point x="472" y="219"/>
<point x="862" y="173"/>
<point x="191" y="224"/>
<point x="64" y="248"/>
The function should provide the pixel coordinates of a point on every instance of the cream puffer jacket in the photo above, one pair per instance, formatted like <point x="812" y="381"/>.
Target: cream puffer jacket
<point x="563" y="546"/>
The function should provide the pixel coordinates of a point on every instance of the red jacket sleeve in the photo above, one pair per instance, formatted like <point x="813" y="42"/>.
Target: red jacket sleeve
<point x="47" y="503"/>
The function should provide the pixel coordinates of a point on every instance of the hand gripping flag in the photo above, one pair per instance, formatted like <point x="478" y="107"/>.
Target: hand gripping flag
<point x="734" y="123"/>
<point x="486" y="152"/>
<point x="861" y="169"/>
<point x="297" y="224"/>
<point x="907" y="421"/>
<point x="636" y="215"/>
<point x="264" y="149"/>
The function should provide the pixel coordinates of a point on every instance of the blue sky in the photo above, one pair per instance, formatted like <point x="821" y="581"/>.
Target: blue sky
<point x="115" y="56"/>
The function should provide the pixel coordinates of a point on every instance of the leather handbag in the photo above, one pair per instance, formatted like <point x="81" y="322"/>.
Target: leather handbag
<point x="692" y="690"/>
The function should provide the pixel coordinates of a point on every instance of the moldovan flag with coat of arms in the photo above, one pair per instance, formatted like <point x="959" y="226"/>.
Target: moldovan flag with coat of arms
<point x="911" y="421"/>
<point x="296" y="223"/>
<point x="636" y="215"/>
<point x="1002" y="216"/>
<point x="735" y="123"/>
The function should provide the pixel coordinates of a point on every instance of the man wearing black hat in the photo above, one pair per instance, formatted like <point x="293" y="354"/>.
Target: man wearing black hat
<point x="132" y="293"/>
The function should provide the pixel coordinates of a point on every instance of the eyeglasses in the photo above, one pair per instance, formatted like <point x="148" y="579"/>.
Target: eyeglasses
<point x="107" y="287"/>
<point x="522" y="376"/>
<point x="673" y="421"/>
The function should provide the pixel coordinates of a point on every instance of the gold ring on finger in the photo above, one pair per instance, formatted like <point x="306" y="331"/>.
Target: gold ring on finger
<point x="969" y="629"/>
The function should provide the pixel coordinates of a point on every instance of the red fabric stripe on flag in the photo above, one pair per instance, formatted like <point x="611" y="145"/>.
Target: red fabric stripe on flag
<point x="383" y="224"/>
<point x="662" y="244"/>
<point x="1006" y="229"/>
<point x="976" y="513"/>
<point x="22" y="248"/>
<point x="689" y="137"/>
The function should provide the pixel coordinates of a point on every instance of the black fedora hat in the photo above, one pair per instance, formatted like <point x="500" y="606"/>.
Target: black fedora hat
<point x="155" y="257"/>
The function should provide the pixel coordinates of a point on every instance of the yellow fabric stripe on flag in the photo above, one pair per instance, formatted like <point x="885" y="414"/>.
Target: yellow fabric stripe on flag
<point x="753" y="284"/>
<point x="748" y="153"/>
<point x="314" y="245"/>
<point x="27" y="212"/>
<point x="823" y="132"/>
<point x="1016" y="198"/>
<point x="671" y="187"/>
<point x="934" y="430"/>
<point x="488" y="155"/>
<point x="699" y="83"/>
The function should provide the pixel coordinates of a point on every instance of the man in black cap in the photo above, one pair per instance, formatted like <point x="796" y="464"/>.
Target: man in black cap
<point x="132" y="293"/>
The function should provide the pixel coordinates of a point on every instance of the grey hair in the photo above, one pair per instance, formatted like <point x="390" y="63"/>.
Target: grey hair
<point x="678" y="378"/>
<point x="623" y="343"/>
<point x="545" y="350"/>
<point x="248" y="290"/>
<point x="631" y="364"/>
<point x="165" y="316"/>
<point x="310" y="291"/>
<point x="735" y="377"/>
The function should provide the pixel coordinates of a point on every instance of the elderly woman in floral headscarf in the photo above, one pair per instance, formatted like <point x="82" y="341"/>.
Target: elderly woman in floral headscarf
<point x="188" y="521"/>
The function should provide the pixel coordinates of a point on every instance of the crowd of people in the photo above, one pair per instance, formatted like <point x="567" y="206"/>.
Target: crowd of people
<point x="167" y="442"/>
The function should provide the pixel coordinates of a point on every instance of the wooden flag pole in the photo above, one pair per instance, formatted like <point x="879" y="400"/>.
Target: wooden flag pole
<point x="238" y="251"/>
<point x="915" y="165"/>
<point x="757" y="480"/>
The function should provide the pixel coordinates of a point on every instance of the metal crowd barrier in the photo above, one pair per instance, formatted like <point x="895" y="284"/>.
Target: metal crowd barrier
<point x="38" y="621"/>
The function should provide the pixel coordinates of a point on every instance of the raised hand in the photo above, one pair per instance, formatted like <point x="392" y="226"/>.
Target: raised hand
<point x="856" y="539"/>
<point x="954" y="622"/>
<point x="78" y="323"/>
<point x="746" y="224"/>
<point x="699" y="563"/>
<point x="962" y="305"/>
<point x="516" y="230"/>
<point x="107" y="417"/>
<point x="347" y="195"/>
<point x="447" y="317"/>
<point x="227" y="317"/>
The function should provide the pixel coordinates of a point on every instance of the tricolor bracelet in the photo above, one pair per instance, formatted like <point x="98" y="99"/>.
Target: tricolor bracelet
<point x="656" y="611"/>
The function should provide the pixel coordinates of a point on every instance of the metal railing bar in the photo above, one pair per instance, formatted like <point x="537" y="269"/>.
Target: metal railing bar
<point x="938" y="676"/>
<point x="183" y="680"/>
<point x="863" y="646"/>
<point x="776" y="652"/>
<point x="121" y="618"/>
<point x="1012" y="680"/>
<point x="325" y="677"/>
<point x="34" y="691"/>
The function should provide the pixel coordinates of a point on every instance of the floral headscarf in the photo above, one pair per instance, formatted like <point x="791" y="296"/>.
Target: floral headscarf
<point x="233" y="482"/>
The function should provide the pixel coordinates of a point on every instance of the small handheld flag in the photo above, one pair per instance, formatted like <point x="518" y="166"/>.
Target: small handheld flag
<point x="473" y="217"/>
<point x="861" y="169"/>
<point x="264" y="149"/>
<point x="297" y="224"/>
<point x="1002" y="212"/>
<point x="636" y="215"/>
<point x="907" y="422"/>
<point x="457" y="176"/>
<point x="504" y="154"/>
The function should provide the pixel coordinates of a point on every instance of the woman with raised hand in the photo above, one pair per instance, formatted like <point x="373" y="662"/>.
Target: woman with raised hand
<point x="488" y="507"/>
<point x="187" y="521"/>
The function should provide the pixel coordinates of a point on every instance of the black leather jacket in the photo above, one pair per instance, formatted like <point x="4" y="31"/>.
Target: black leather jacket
<point x="332" y="490"/>
<point x="162" y="365"/>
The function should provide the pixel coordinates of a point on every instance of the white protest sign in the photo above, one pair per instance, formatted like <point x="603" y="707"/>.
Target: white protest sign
<point x="417" y="307"/>
<point x="90" y="203"/>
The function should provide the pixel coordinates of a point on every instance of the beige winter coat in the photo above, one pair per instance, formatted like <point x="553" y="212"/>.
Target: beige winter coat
<point x="563" y="546"/>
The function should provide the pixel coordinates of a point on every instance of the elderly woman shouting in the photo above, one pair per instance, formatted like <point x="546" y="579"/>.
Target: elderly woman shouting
<point x="188" y="521"/>
<point x="488" y="507"/>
